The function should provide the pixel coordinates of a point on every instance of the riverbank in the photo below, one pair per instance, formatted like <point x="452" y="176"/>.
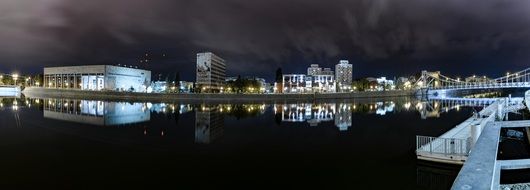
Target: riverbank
<point x="33" y="92"/>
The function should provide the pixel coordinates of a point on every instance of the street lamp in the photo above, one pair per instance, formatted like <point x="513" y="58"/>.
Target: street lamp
<point x="15" y="77"/>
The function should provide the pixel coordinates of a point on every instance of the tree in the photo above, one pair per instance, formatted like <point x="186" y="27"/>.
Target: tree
<point x="279" y="75"/>
<point x="7" y="80"/>
<point x="239" y="84"/>
<point x="38" y="79"/>
<point x="361" y="84"/>
<point x="176" y="81"/>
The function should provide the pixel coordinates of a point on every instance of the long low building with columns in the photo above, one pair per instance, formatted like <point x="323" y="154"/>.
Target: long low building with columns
<point x="97" y="77"/>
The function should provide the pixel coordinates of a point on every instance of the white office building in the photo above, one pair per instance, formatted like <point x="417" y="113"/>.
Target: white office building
<point x="300" y="83"/>
<point x="326" y="71"/>
<point x="97" y="77"/>
<point x="211" y="72"/>
<point x="323" y="83"/>
<point x="343" y="76"/>
<point x="296" y="83"/>
<point x="314" y="69"/>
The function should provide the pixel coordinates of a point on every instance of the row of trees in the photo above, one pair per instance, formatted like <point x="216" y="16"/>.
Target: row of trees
<point x="242" y="85"/>
<point x="30" y="80"/>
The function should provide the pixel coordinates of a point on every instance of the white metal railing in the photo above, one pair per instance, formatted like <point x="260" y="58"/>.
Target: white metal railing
<point x="444" y="146"/>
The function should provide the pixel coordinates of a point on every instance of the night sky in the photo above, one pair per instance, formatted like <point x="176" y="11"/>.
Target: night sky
<point x="380" y="37"/>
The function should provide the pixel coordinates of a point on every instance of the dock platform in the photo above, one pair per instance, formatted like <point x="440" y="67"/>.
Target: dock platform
<point x="454" y="146"/>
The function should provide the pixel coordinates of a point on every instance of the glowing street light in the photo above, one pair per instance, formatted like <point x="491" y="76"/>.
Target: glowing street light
<point x="15" y="77"/>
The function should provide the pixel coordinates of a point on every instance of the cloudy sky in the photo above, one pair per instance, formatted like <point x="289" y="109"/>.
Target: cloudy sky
<point x="380" y="37"/>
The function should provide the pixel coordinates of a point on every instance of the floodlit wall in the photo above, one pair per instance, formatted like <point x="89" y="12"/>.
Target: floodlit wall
<point x="97" y="77"/>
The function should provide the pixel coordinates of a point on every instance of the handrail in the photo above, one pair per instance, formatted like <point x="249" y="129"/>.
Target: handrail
<point x="444" y="146"/>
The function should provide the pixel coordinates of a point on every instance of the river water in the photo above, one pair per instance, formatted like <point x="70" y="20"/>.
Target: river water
<point x="87" y="144"/>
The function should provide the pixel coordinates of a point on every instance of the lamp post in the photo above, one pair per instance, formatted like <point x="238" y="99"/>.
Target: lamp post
<point x="15" y="77"/>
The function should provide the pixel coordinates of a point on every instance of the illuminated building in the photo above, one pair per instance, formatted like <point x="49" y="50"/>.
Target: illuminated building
<point x="211" y="72"/>
<point x="323" y="83"/>
<point x="97" y="77"/>
<point x="343" y="76"/>
<point x="317" y="80"/>
<point x="185" y="86"/>
<point x="314" y="69"/>
<point x="299" y="83"/>
<point x="159" y="86"/>
<point x="296" y="83"/>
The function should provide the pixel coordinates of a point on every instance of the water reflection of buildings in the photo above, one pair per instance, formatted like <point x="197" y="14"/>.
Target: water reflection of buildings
<point x="314" y="114"/>
<point x="209" y="124"/>
<point x="171" y="108"/>
<point x="343" y="118"/>
<point x="426" y="108"/>
<point x="96" y="112"/>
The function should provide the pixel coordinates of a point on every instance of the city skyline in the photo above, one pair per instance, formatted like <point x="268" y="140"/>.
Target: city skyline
<point x="311" y="94"/>
<point x="380" y="38"/>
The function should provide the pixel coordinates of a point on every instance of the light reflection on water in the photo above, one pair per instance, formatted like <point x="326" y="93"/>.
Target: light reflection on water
<point x="214" y="125"/>
<point x="209" y="117"/>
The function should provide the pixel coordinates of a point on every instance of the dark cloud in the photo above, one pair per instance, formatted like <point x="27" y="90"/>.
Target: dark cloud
<point x="256" y="36"/>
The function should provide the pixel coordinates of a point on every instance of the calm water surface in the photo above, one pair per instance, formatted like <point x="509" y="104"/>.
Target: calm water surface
<point x="96" y="144"/>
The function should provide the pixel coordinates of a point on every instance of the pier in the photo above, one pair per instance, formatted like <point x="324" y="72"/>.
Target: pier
<point x="454" y="146"/>
<point x="482" y="170"/>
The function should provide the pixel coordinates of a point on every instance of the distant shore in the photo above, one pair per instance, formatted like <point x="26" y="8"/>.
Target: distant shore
<point x="34" y="92"/>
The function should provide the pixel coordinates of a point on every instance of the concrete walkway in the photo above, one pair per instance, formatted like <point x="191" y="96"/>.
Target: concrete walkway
<point x="453" y="147"/>
<point x="482" y="170"/>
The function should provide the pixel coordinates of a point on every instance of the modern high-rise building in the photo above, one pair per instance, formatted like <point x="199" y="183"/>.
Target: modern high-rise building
<point x="211" y="72"/>
<point x="343" y="76"/>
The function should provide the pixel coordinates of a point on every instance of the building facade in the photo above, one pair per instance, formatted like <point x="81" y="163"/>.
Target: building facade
<point x="323" y="83"/>
<point x="314" y="69"/>
<point x="326" y="71"/>
<point x="185" y="87"/>
<point x="300" y="83"/>
<point x="344" y="75"/>
<point x="296" y="83"/>
<point x="97" y="77"/>
<point x="211" y="72"/>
